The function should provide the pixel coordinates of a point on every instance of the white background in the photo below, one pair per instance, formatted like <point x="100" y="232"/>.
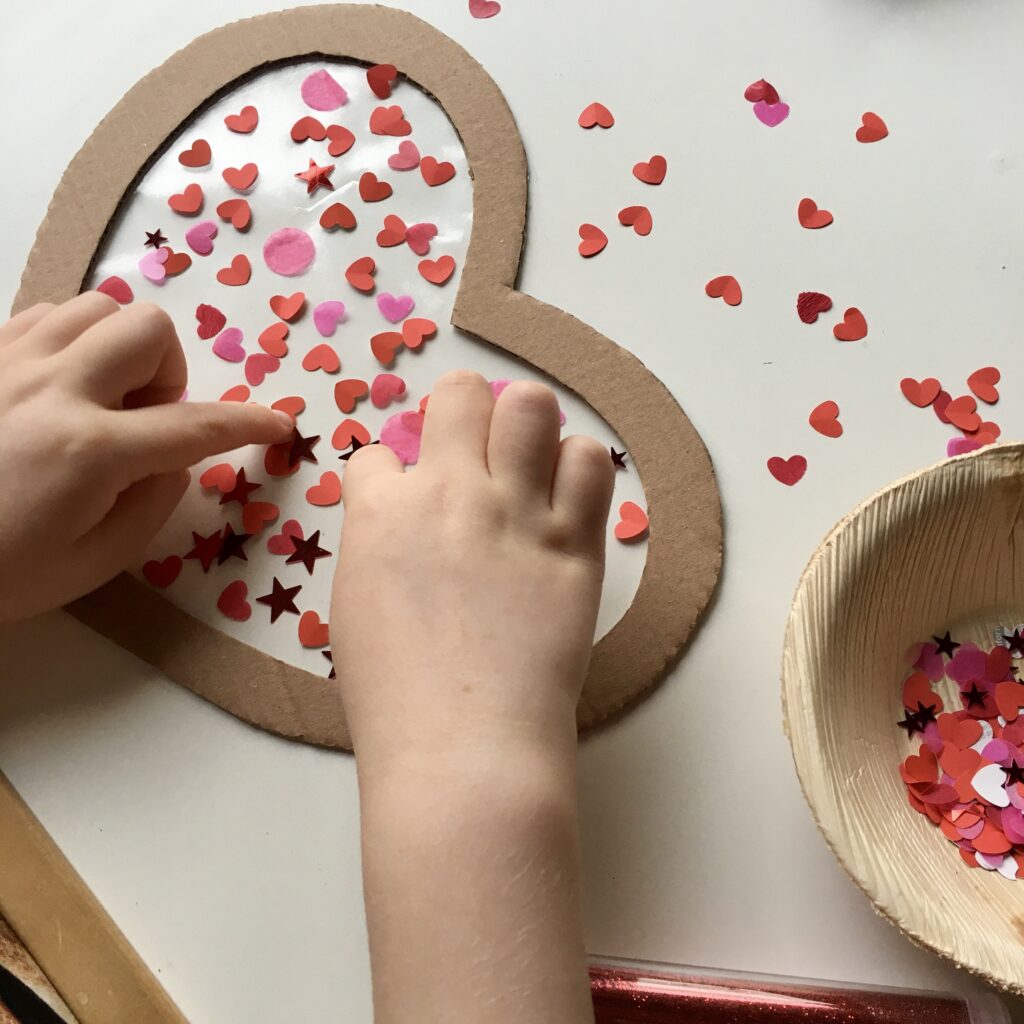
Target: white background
<point x="230" y="859"/>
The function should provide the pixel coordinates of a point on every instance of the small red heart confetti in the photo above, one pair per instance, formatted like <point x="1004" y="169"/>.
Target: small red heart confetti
<point x="313" y="632"/>
<point x="238" y="273"/>
<point x="288" y="307"/>
<point x="824" y="419"/>
<point x="176" y="262"/>
<point x="241" y="178"/>
<point x="983" y="383"/>
<point x="211" y="321"/>
<point x="810" y="304"/>
<point x="283" y="543"/>
<point x="232" y="601"/>
<point x="436" y="271"/>
<point x="416" y="330"/>
<point x="651" y="172"/>
<point x="197" y="155"/>
<point x="162" y="573"/>
<point x="592" y="240"/>
<point x="118" y="289"/>
<point x="346" y="432"/>
<point x="220" y="477"/>
<point x="338" y="215"/>
<point x="244" y="121"/>
<point x="389" y="121"/>
<point x="237" y="212"/>
<point x="920" y="392"/>
<point x="340" y="140"/>
<point x="360" y="274"/>
<point x="385" y="345"/>
<point x="321" y="357"/>
<point x="726" y="288"/>
<point x="853" y="328"/>
<point x="372" y="189"/>
<point x="761" y="92"/>
<point x="393" y="233"/>
<point x="292" y="404"/>
<point x="348" y="392"/>
<point x="810" y="216"/>
<point x="633" y="522"/>
<point x="435" y="173"/>
<point x="258" y="514"/>
<point x="787" y="471"/>
<point x="380" y="78"/>
<point x="941" y="403"/>
<point x="327" y="492"/>
<point x="637" y="217"/>
<point x="239" y="393"/>
<point x="188" y="202"/>
<point x="273" y="340"/>
<point x="407" y="158"/>
<point x="258" y="365"/>
<point x="484" y="8"/>
<point x="308" y="128"/>
<point x="596" y="114"/>
<point x="872" y="129"/>
<point x="385" y="389"/>
<point x="961" y="413"/>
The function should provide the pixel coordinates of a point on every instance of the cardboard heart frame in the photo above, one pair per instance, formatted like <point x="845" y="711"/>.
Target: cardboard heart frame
<point x="685" y="544"/>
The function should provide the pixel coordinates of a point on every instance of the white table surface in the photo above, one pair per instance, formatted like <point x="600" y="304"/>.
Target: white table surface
<point x="229" y="858"/>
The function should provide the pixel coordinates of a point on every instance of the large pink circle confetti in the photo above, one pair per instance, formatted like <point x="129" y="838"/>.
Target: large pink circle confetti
<point x="322" y="92"/>
<point x="289" y="251"/>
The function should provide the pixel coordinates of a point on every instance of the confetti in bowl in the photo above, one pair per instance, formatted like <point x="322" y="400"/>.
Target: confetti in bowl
<point x="941" y="549"/>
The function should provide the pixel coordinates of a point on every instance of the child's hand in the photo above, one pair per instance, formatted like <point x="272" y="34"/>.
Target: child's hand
<point x="95" y="446"/>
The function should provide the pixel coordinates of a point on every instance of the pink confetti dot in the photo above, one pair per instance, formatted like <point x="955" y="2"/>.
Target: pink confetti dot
<point x="289" y="251"/>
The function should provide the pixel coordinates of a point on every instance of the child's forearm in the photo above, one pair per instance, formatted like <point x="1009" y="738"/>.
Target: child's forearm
<point x="471" y="876"/>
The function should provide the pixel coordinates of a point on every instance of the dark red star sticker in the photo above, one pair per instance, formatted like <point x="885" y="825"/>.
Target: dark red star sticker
<point x="356" y="445"/>
<point x="155" y="238"/>
<point x="1015" y="642"/>
<point x="975" y="697"/>
<point x="945" y="645"/>
<point x="241" y="491"/>
<point x="233" y="545"/>
<point x="316" y="176"/>
<point x="911" y="723"/>
<point x="307" y="551"/>
<point x="1014" y="773"/>
<point x="280" y="599"/>
<point x="302" y="448"/>
<point x="618" y="458"/>
<point x="205" y="549"/>
<point x="330" y="657"/>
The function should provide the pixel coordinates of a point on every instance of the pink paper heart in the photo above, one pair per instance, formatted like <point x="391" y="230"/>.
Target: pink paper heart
<point x="200" y="237"/>
<point x="395" y="308"/>
<point x="152" y="265"/>
<point x="327" y="316"/>
<point x="418" y="236"/>
<point x="771" y="114"/>
<point x="385" y="389"/>
<point x="228" y="345"/>
<point x="258" y="365"/>
<point x="402" y="434"/>
<point x="484" y="8"/>
<point x="961" y="446"/>
<point x="406" y="159"/>
<point x="321" y="92"/>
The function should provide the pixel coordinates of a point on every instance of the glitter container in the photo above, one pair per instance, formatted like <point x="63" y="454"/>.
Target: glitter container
<point x="632" y="992"/>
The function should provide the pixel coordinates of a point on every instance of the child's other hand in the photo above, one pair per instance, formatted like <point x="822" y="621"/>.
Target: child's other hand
<point x="95" y="446"/>
<point x="467" y="590"/>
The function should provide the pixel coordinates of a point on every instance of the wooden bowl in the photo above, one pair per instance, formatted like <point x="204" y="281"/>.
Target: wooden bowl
<point x="943" y="548"/>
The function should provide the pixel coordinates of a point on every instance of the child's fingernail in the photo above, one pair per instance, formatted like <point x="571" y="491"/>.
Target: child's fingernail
<point x="285" y="418"/>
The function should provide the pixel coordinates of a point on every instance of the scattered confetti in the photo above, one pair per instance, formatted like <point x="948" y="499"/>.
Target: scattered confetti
<point x="372" y="189"/>
<point x="237" y="273"/>
<point x="360" y="274"/>
<point x="237" y="212"/>
<point x="121" y="292"/>
<point x="188" y="202"/>
<point x="197" y="155"/>
<point x="920" y="392"/>
<point x="436" y="173"/>
<point x="810" y="304"/>
<point x="771" y="114"/>
<point x="200" y="237"/>
<point x="810" y="216"/>
<point x="381" y="78"/>
<point x="313" y="632"/>
<point x="633" y="523"/>
<point x="596" y="114"/>
<point x="853" y="327"/>
<point x="389" y="121"/>
<point x="592" y="240"/>
<point x="228" y="345"/>
<point x="281" y="599"/>
<point x="872" y="128"/>
<point x="321" y="92"/>
<point x="338" y="215"/>
<point x="327" y="492"/>
<point x="288" y="307"/>
<point x="983" y="383"/>
<point x="316" y="176"/>
<point x="327" y="316"/>
<point x="232" y="601"/>
<point x="162" y="573"/>
<point x="244" y="122"/>
<point x="407" y="158"/>
<point x="437" y="271"/>
<point x="395" y="308"/>
<point x="289" y="251"/>
<point x="787" y="471"/>
<point x="385" y="389"/>
<point x="726" y="288"/>
<point x="651" y="172"/>
<point x="211" y="321"/>
<point x="484" y="8"/>
<point x="824" y="419"/>
<point x="241" y="178"/>
<point x="637" y="217"/>
<point x="761" y="92"/>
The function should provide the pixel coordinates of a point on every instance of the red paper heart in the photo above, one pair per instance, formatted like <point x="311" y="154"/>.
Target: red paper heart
<point x="435" y="173"/>
<point x="283" y="543"/>
<point x="385" y="389"/>
<point x="633" y="522"/>
<point x="1009" y="699"/>
<point x="346" y="431"/>
<point x="853" y="328"/>
<point x="592" y="240"/>
<point x="348" y="392"/>
<point x="241" y="178"/>
<point x="221" y="477"/>
<point x="237" y="211"/>
<point x="726" y="288"/>
<point x="637" y="217"/>
<point x="810" y="304"/>
<point x="437" y="271"/>
<point x="872" y="128"/>
<point x="787" y="471"/>
<point x="824" y="419"/>
<point x="484" y="8"/>
<point x="273" y="340"/>
<point x="393" y="233"/>
<point x="258" y="514"/>
<point x="920" y="392"/>
<point x="380" y="78"/>
<point x="761" y="92"/>
<point x="372" y="189"/>
<point x="197" y="155"/>
<point x="291" y="404"/>
<point x="360" y="274"/>
<point x="189" y="202"/>
<point x="321" y="357"/>
<point x="176" y="262"/>
<point x="337" y="215"/>
<point x="810" y="216"/>
<point x="118" y="289"/>
<point x="239" y="393"/>
<point x="416" y="330"/>
<point x="385" y="345"/>
<point x="288" y="307"/>
<point x="651" y="172"/>
<point x="162" y="574"/>
<point x="340" y="139"/>
<point x="258" y="365"/>
<point x="389" y="121"/>
<point x="232" y="601"/>
<point x="961" y="413"/>
<point x="243" y="122"/>
<point x="596" y="114"/>
<point x="941" y="404"/>
<point x="238" y="273"/>
<point x="211" y="321"/>
<point x="313" y="632"/>
<point x="983" y="383"/>
<point x="308" y="128"/>
<point x="327" y="492"/>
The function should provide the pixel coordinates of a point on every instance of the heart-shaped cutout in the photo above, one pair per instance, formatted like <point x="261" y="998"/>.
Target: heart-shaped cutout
<point x="726" y="288"/>
<point x="853" y="327"/>
<point x="787" y="471"/>
<point x="824" y="419"/>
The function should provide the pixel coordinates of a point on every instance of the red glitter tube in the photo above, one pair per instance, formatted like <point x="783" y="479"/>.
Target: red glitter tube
<point x="631" y="992"/>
